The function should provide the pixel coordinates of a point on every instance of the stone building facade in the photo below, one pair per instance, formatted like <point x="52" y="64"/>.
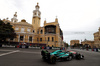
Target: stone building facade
<point x="72" y="42"/>
<point x="49" y="35"/>
<point x="88" y="43"/>
<point x="97" y="38"/>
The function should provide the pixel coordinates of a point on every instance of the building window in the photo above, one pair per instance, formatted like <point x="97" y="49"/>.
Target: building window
<point x="21" y="38"/>
<point x="40" y="39"/>
<point x="30" y="38"/>
<point x="41" y="31"/>
<point x="22" y="29"/>
<point x="48" y="39"/>
<point x="28" y="30"/>
<point x="16" y="28"/>
<point x="52" y="38"/>
<point x="33" y="31"/>
<point x="52" y="46"/>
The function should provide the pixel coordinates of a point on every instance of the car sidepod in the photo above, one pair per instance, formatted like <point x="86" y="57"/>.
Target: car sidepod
<point x="63" y="57"/>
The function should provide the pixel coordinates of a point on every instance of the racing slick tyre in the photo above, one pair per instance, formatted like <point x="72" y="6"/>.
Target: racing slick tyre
<point x="53" y="60"/>
<point x="79" y="56"/>
<point x="69" y="58"/>
<point x="82" y="56"/>
<point x="15" y="46"/>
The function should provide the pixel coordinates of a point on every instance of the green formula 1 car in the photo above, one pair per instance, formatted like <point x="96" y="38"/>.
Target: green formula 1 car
<point x="59" y="55"/>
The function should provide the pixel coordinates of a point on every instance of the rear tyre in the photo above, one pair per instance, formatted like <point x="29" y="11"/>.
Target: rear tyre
<point x="53" y="60"/>
<point x="78" y="56"/>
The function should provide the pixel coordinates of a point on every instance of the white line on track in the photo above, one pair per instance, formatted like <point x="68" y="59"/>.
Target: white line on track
<point x="9" y="53"/>
<point x="30" y="52"/>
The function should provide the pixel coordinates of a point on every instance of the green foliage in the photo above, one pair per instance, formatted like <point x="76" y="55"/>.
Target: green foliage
<point x="78" y="45"/>
<point x="66" y="44"/>
<point x="6" y="31"/>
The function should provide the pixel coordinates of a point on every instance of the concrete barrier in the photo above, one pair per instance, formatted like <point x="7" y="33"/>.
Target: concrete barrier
<point x="7" y="46"/>
<point x="34" y="47"/>
<point x="55" y="48"/>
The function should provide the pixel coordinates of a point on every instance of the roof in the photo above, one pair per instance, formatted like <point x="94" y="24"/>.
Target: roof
<point x="88" y="41"/>
<point x="74" y="40"/>
<point x="51" y="23"/>
<point x="96" y="32"/>
<point x="23" y="22"/>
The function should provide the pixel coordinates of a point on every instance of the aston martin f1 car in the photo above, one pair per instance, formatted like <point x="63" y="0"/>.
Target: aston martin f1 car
<point x="59" y="55"/>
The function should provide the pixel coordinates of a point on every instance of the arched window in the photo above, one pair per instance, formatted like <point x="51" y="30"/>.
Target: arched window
<point x="40" y="39"/>
<point x="52" y="45"/>
<point x="30" y="38"/>
<point x="33" y="31"/>
<point x="21" y="38"/>
<point x="48" y="39"/>
<point x="41" y="31"/>
<point x="52" y="38"/>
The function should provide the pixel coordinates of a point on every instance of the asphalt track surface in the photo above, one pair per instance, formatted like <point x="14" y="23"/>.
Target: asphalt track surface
<point x="32" y="57"/>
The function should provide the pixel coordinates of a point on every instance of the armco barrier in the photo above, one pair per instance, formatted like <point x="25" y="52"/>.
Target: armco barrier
<point x="34" y="47"/>
<point x="7" y="46"/>
<point x="55" y="48"/>
<point x="47" y="47"/>
<point x="50" y="47"/>
<point x="23" y="46"/>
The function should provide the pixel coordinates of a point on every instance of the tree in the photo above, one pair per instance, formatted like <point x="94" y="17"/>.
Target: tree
<point x="76" y="45"/>
<point x="66" y="44"/>
<point x="6" y="31"/>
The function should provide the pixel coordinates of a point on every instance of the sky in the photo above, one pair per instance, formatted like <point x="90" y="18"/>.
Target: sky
<point x="73" y="15"/>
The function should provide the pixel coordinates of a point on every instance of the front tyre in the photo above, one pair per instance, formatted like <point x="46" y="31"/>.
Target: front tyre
<point x="69" y="58"/>
<point x="82" y="57"/>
